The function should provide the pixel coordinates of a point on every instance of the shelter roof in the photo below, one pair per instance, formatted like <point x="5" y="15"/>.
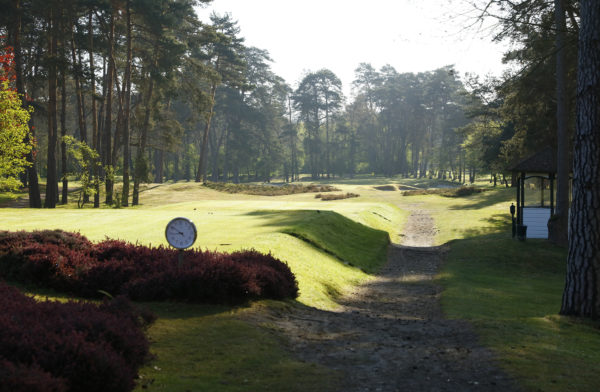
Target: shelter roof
<point x="543" y="161"/>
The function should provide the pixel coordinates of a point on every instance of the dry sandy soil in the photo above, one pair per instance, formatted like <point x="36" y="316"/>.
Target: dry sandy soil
<point x="390" y="334"/>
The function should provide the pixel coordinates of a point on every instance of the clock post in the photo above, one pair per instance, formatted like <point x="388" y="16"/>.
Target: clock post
<point x="180" y="259"/>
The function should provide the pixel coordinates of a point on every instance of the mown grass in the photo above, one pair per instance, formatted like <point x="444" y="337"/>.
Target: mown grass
<point x="351" y="242"/>
<point x="229" y="226"/>
<point x="471" y="216"/>
<point x="511" y="292"/>
<point x="207" y="348"/>
<point x="203" y="348"/>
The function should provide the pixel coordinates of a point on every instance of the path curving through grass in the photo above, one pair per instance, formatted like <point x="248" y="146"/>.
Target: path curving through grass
<point x="390" y="333"/>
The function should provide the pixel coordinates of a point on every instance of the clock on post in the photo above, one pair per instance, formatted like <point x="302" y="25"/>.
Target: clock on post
<point x="181" y="234"/>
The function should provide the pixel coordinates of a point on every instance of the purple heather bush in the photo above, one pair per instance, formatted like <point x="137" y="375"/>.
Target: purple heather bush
<point x="74" y="346"/>
<point x="70" y="263"/>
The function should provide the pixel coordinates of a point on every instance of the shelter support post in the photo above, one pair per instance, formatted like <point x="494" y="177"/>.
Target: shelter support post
<point x="518" y="200"/>
<point x="551" y="176"/>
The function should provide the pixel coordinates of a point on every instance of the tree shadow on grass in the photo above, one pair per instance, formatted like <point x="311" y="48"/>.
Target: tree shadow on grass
<point x="163" y="309"/>
<point x="282" y="218"/>
<point x="499" y="224"/>
<point x="486" y="199"/>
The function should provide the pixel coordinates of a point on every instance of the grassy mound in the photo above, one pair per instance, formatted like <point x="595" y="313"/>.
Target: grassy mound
<point x="269" y="190"/>
<point x="336" y="196"/>
<point x="446" y="192"/>
<point x="351" y="242"/>
<point x="385" y="188"/>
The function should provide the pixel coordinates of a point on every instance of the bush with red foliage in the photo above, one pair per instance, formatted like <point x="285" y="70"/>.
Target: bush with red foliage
<point x="17" y="377"/>
<point x="7" y="66"/>
<point x="69" y="262"/>
<point x="73" y="346"/>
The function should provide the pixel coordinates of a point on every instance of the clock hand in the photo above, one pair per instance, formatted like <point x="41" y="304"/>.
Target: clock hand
<point x="178" y="232"/>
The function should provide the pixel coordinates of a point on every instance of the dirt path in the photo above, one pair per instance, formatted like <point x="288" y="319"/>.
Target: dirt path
<point x="390" y="334"/>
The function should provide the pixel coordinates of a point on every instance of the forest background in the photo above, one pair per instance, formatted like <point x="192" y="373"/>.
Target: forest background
<point x="158" y="95"/>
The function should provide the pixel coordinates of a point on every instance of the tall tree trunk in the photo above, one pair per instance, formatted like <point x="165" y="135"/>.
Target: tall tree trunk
<point x="214" y="156"/>
<point x="227" y="154"/>
<point x="120" y="96"/>
<point x="352" y="154"/>
<point x="51" y="178"/>
<point x="201" y="173"/>
<point x="159" y="165"/>
<point x="78" y="92"/>
<point x="176" y="174"/>
<point x="140" y="166"/>
<point x="95" y="133"/>
<point x="63" y="133"/>
<point x="117" y="138"/>
<point x="581" y="296"/>
<point x="557" y="226"/>
<point x="313" y="146"/>
<point x="78" y="65"/>
<point x="108" y="163"/>
<point x="35" y="200"/>
<point x="327" y="152"/>
<point x="126" y="150"/>
<point x="101" y="113"/>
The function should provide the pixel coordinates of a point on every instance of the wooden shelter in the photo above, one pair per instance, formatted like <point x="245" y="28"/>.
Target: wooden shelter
<point x="540" y="166"/>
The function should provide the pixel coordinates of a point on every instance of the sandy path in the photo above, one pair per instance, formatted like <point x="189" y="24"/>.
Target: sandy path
<point x="390" y="334"/>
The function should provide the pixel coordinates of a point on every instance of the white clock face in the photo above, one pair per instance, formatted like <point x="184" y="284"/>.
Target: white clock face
<point x="181" y="233"/>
